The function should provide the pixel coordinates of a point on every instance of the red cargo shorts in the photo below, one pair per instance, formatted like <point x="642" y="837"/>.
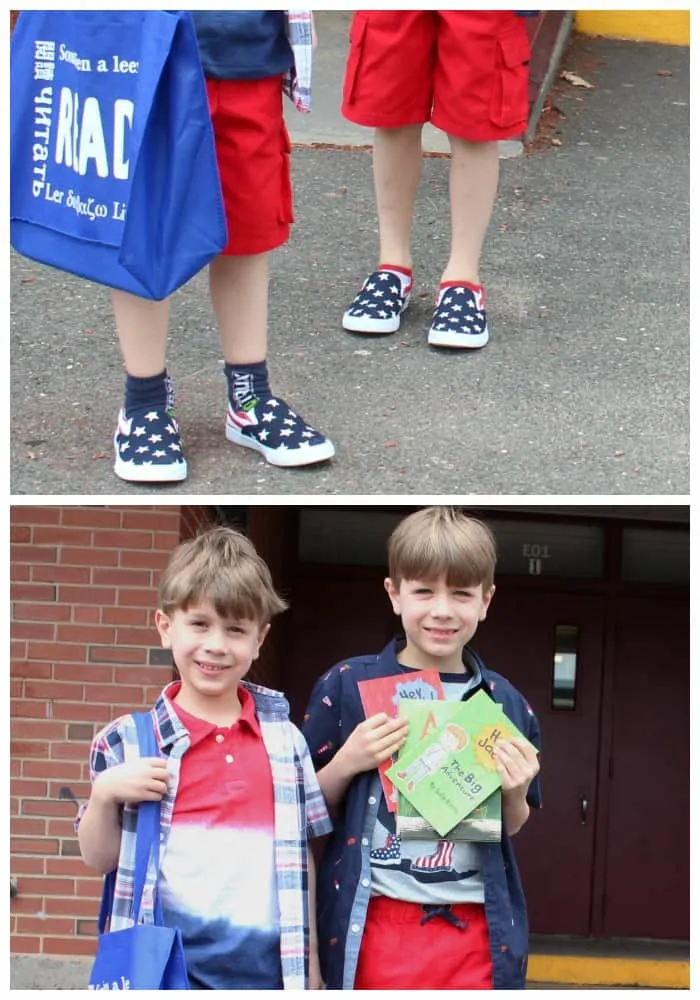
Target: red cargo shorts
<point x="464" y="71"/>
<point x="252" y="150"/>
<point x="406" y="947"/>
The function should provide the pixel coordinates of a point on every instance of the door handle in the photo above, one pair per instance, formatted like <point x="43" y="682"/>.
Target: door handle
<point x="583" y="806"/>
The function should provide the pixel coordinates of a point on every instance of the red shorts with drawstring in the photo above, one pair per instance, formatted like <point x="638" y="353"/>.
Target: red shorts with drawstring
<point x="407" y="947"/>
<point x="252" y="150"/>
<point x="464" y="71"/>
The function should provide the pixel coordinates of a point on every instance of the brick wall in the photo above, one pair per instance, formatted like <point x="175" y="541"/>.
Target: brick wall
<point x="83" y="650"/>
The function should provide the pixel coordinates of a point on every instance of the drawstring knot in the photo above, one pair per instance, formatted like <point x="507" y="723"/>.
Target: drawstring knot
<point x="443" y="910"/>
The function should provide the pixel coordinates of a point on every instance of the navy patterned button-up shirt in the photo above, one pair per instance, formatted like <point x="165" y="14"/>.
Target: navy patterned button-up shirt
<point x="344" y="874"/>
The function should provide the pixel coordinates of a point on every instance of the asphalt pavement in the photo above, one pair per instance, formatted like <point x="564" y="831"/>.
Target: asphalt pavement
<point x="582" y="390"/>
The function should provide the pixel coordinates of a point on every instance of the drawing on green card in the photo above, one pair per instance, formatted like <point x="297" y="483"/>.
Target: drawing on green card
<point x="448" y="739"/>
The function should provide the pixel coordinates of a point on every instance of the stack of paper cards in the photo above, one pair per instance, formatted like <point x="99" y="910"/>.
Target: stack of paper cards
<point x="447" y="767"/>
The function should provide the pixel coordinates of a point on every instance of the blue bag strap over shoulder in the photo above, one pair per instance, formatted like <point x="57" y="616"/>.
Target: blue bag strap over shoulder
<point x="147" y="836"/>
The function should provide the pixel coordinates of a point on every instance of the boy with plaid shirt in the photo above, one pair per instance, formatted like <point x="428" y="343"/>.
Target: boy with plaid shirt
<point x="239" y="797"/>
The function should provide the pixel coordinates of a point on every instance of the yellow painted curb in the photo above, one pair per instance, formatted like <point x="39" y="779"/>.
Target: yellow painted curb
<point x="671" y="27"/>
<point x="585" y="971"/>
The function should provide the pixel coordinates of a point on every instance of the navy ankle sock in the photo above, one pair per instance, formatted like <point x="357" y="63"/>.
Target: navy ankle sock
<point x="247" y="382"/>
<point x="152" y="393"/>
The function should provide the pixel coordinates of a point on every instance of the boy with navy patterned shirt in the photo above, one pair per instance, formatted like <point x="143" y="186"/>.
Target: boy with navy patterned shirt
<point x="466" y="72"/>
<point x="411" y="914"/>
<point x="239" y="797"/>
<point x="248" y="57"/>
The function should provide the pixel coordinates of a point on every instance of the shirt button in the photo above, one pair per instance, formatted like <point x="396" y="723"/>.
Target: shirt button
<point x="372" y="801"/>
<point x="355" y="928"/>
<point x="365" y="842"/>
<point x="365" y="882"/>
<point x="228" y="758"/>
<point x="219" y="738"/>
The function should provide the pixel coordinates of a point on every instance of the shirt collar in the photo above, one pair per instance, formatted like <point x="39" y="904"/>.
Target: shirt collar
<point x="198" y="729"/>
<point x="472" y="664"/>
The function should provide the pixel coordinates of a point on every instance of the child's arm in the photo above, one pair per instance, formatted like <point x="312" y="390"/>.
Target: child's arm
<point x="370" y="744"/>
<point x="99" y="830"/>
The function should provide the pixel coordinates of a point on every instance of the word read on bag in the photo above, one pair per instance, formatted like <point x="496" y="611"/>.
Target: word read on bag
<point x="113" y="165"/>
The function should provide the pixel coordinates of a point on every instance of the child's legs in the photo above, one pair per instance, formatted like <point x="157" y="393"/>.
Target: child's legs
<point x="405" y="948"/>
<point x="238" y="287"/>
<point x="473" y="188"/>
<point x="253" y="149"/>
<point x="388" y="84"/>
<point x="142" y="330"/>
<point x="480" y="97"/>
<point x="398" y="158"/>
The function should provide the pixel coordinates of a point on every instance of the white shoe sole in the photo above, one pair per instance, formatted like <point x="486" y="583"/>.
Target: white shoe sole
<point x="131" y="473"/>
<point x="448" y="338"/>
<point x="365" y="324"/>
<point x="290" y="459"/>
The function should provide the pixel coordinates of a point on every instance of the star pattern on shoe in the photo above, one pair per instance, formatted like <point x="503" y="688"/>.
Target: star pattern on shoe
<point x="459" y="319"/>
<point x="378" y="306"/>
<point x="271" y="427"/>
<point x="390" y="851"/>
<point x="141" y="454"/>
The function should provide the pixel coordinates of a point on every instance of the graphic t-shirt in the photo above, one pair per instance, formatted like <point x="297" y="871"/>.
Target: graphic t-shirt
<point x="426" y="871"/>
<point x="217" y="877"/>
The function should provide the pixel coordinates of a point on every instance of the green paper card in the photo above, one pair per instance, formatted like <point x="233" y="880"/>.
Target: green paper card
<point x="451" y="770"/>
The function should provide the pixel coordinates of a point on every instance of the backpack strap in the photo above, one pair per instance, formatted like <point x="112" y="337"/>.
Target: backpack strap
<point x="147" y="835"/>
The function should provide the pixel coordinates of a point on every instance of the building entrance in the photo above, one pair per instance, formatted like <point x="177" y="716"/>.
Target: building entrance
<point x="603" y="657"/>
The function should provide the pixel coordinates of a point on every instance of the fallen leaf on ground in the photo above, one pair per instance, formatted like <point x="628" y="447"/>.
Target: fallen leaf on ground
<point x="575" y="80"/>
<point x="664" y="72"/>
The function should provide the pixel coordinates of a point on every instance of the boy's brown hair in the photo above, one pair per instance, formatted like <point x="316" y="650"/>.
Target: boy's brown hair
<point x="220" y="565"/>
<point x="437" y="541"/>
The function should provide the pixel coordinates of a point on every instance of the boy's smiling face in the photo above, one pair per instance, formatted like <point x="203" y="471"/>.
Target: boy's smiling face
<point x="212" y="654"/>
<point x="438" y="620"/>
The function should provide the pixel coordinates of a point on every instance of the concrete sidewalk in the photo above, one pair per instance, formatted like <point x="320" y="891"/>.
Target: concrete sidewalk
<point x="582" y="390"/>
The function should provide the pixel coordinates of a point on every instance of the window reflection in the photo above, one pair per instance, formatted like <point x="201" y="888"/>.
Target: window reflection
<point x="565" y="663"/>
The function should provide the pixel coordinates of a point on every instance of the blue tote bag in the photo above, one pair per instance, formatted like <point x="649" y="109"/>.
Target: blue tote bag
<point x="145" y="956"/>
<point x="113" y="171"/>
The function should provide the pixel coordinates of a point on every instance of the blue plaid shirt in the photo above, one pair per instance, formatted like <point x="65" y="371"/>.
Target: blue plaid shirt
<point x="344" y="875"/>
<point x="299" y="811"/>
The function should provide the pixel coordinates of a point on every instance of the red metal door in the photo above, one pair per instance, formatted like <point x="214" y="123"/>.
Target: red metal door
<point x="647" y="881"/>
<point x="555" y="848"/>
